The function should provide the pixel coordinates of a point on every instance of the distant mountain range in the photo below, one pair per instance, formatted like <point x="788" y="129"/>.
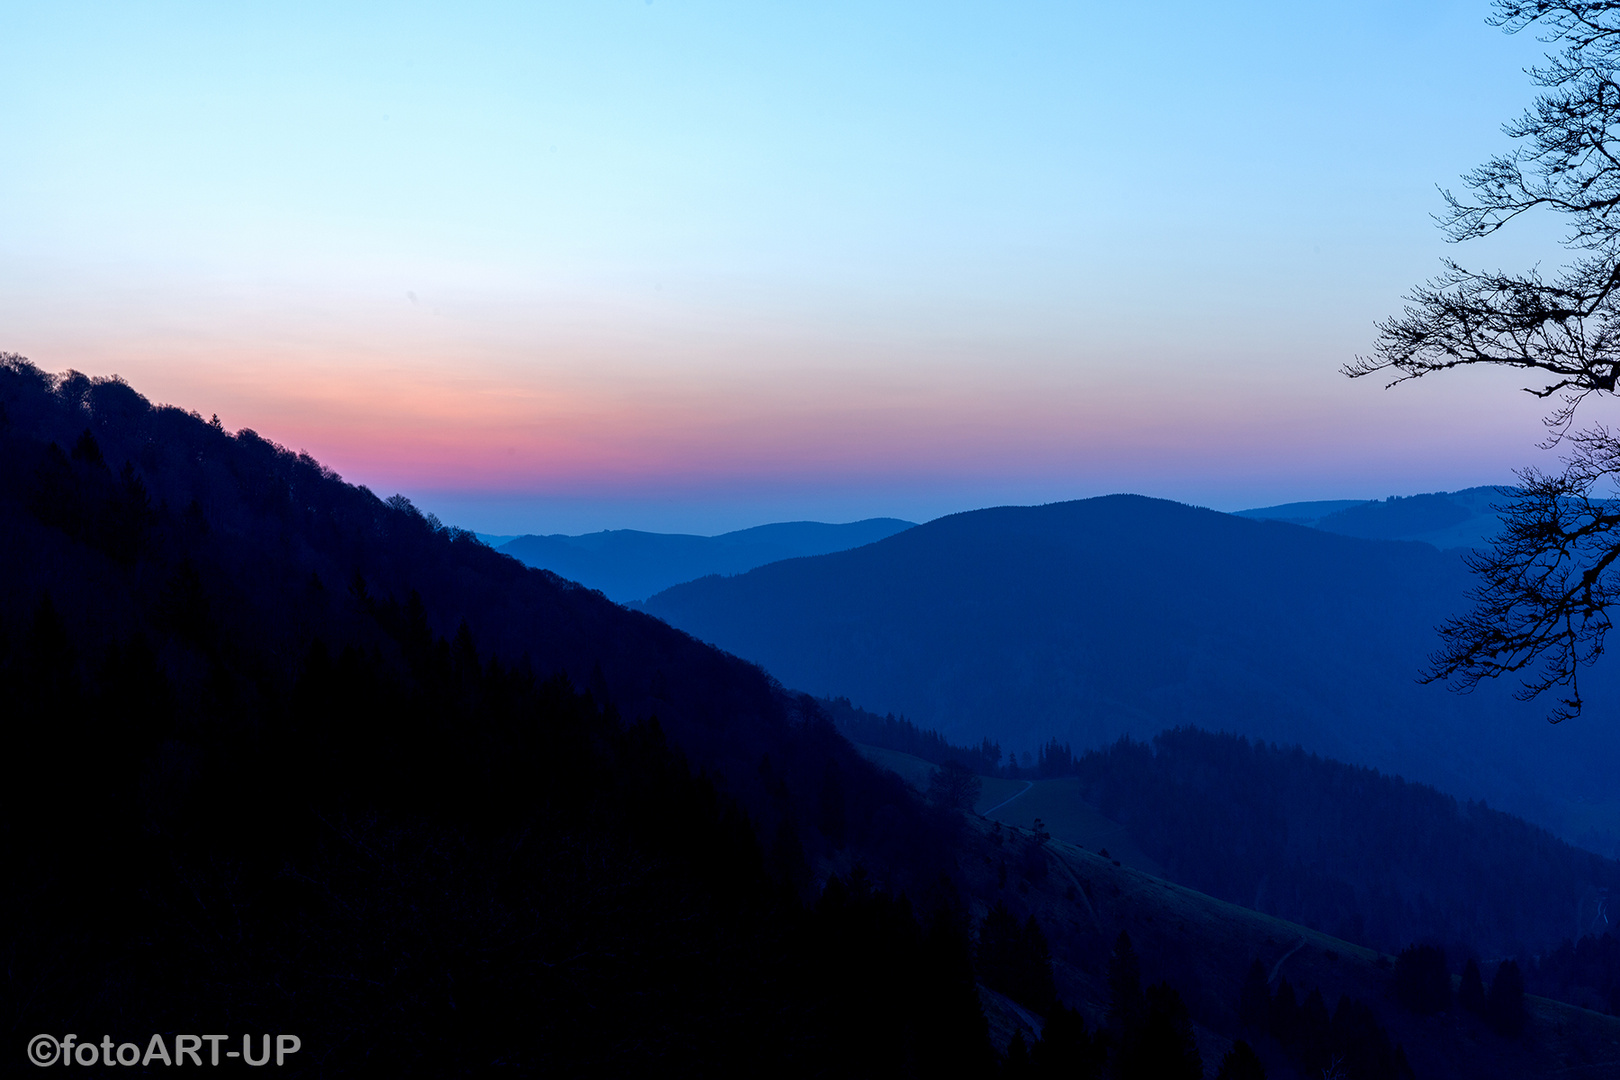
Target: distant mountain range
<point x="1085" y="621"/>
<point x="628" y="565"/>
<point x="1445" y="519"/>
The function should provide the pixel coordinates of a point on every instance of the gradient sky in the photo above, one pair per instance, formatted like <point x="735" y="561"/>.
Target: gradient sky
<point x="696" y="266"/>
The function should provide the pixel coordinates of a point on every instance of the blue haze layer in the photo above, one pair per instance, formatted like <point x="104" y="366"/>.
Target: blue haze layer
<point x="1085" y="621"/>
<point x="628" y="565"/>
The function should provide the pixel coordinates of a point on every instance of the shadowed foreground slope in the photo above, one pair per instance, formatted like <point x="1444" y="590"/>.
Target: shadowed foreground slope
<point x="284" y="757"/>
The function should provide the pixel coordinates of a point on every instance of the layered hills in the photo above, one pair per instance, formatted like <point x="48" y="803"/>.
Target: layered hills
<point x="1445" y="519"/>
<point x="1091" y="620"/>
<point x="628" y="565"/>
<point x="285" y="756"/>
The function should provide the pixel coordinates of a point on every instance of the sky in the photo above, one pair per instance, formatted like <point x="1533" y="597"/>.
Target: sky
<point x="672" y="265"/>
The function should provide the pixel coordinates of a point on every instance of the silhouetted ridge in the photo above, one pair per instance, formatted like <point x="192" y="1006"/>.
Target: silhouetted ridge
<point x="1444" y="519"/>
<point x="284" y="756"/>
<point x="1396" y="518"/>
<point x="629" y="565"/>
<point x="1123" y="615"/>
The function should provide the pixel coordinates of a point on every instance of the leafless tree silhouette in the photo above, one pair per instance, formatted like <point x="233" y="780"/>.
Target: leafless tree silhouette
<point x="1549" y="580"/>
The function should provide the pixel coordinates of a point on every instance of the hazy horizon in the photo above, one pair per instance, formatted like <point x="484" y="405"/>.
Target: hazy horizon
<point x="699" y="521"/>
<point x="1085" y="775"/>
<point x="700" y="266"/>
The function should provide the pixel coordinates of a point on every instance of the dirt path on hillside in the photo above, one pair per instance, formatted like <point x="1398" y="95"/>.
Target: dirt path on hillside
<point x="1027" y="785"/>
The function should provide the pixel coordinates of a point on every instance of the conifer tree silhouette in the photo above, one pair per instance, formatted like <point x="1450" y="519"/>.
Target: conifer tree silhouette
<point x="1126" y="1005"/>
<point x="1471" y="992"/>
<point x="1165" y="1048"/>
<point x="1504" y="1004"/>
<point x="1241" y="1063"/>
<point x="1254" y="999"/>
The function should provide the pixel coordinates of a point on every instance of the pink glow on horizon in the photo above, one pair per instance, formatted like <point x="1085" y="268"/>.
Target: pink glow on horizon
<point x="400" y="426"/>
<point x="531" y="399"/>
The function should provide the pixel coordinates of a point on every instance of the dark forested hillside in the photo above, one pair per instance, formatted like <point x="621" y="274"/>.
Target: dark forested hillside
<point x="230" y="556"/>
<point x="282" y="756"/>
<point x="1366" y="857"/>
<point x="1123" y="615"/>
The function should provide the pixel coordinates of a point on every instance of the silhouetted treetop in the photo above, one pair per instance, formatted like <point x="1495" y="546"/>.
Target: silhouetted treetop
<point x="1548" y="583"/>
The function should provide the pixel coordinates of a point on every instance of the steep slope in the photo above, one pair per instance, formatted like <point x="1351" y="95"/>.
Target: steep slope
<point x="1090" y="620"/>
<point x="282" y="756"/>
<point x="628" y="565"/>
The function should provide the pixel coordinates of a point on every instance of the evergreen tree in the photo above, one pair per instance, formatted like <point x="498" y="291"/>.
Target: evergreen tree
<point x="1066" y="1048"/>
<point x="1165" y="1049"/>
<point x="1504" y="1005"/>
<point x="1241" y="1063"/>
<point x="1254" y="1000"/>
<point x="1284" y="1020"/>
<point x="1311" y="1038"/>
<point x="87" y="450"/>
<point x="1361" y="1043"/>
<point x="1471" y="993"/>
<point x="1422" y="983"/>
<point x="1016" y="960"/>
<point x="832" y="817"/>
<point x="952" y="1033"/>
<point x="1040" y="987"/>
<point x="1016" y="1063"/>
<point x="1125" y="1003"/>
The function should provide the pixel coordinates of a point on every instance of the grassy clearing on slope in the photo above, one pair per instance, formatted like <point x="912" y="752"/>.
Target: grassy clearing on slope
<point x="1068" y="817"/>
<point x="1204" y="946"/>
<point x="1057" y="803"/>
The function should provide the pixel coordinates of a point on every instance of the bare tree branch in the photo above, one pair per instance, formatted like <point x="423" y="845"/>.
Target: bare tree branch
<point x="1547" y="584"/>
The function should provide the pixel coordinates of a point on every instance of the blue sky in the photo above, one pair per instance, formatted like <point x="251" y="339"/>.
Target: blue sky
<point x="684" y="265"/>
